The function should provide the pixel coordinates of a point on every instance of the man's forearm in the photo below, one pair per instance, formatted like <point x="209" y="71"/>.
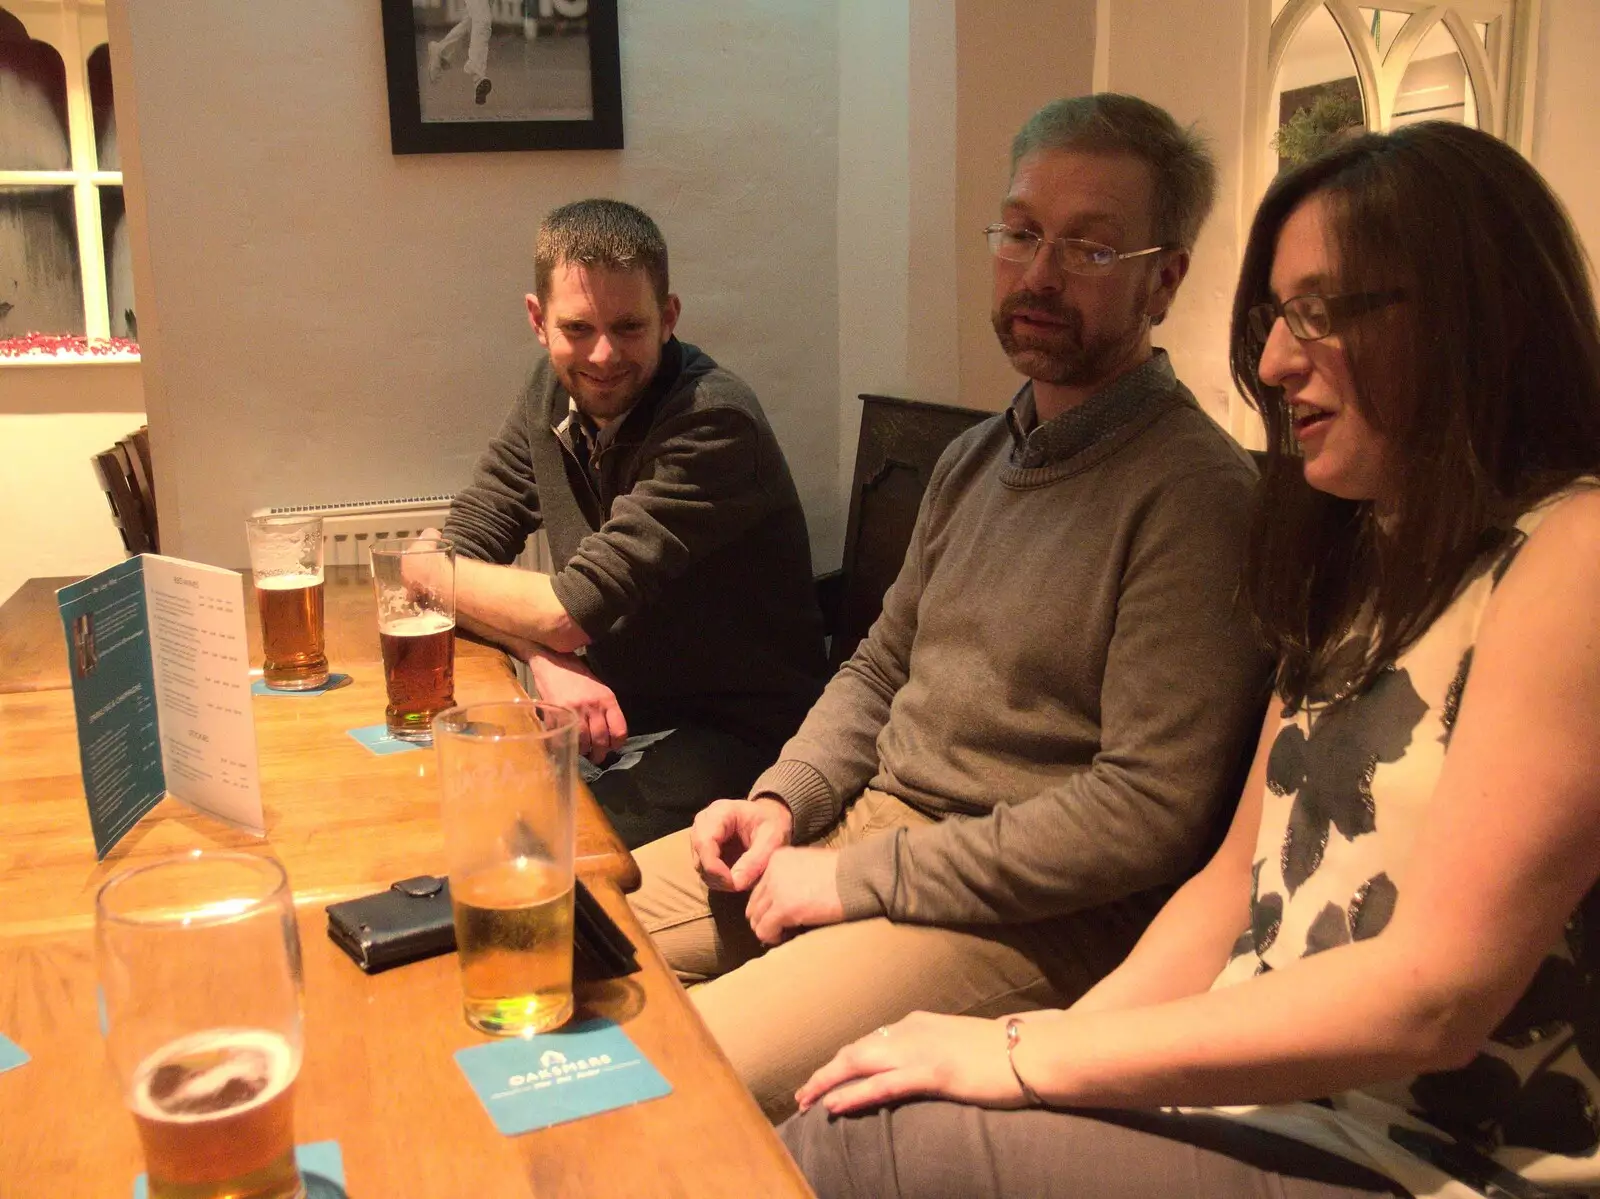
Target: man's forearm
<point x="505" y="603"/>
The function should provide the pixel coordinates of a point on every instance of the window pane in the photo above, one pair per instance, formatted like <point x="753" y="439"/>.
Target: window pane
<point x="1316" y="92"/>
<point x="33" y="107"/>
<point x="38" y="232"/>
<point x="105" y="112"/>
<point x="1384" y="25"/>
<point x="1435" y="86"/>
<point x="119" y="263"/>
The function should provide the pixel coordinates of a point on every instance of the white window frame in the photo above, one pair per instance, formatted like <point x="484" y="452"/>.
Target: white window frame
<point x="1501" y="70"/>
<point x="73" y="27"/>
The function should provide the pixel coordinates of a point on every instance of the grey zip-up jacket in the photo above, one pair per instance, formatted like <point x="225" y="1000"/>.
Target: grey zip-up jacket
<point x="683" y="551"/>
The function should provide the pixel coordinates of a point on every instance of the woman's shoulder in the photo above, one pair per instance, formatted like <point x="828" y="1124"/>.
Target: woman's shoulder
<point x="1567" y="521"/>
<point x="1575" y="507"/>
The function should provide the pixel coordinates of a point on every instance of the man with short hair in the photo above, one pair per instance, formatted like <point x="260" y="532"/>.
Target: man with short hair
<point x="1044" y="728"/>
<point x="684" y="598"/>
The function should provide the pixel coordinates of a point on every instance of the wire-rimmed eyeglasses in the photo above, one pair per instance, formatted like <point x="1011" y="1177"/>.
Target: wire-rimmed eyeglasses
<point x="1311" y="317"/>
<point x="1076" y="256"/>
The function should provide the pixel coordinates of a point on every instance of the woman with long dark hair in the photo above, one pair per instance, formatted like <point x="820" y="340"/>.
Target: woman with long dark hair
<point x="1393" y="961"/>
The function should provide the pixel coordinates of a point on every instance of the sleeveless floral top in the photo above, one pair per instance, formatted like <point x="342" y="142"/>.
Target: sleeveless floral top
<point x="1348" y="786"/>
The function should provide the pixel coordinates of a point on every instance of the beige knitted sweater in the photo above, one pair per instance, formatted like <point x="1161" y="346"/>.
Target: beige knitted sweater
<point x="1063" y="675"/>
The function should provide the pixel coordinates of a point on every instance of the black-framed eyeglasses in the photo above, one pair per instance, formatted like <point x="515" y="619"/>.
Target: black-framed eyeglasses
<point x="1076" y="256"/>
<point x="1311" y="317"/>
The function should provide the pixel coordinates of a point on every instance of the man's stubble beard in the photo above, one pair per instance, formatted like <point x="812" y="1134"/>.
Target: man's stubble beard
<point x="1063" y="359"/>
<point x="609" y="409"/>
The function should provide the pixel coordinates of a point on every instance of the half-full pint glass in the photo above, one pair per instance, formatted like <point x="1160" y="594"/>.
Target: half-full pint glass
<point x="415" y="584"/>
<point x="506" y="776"/>
<point x="199" y="962"/>
<point x="286" y="559"/>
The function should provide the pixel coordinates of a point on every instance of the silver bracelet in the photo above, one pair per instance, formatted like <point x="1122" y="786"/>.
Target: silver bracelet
<point x="1013" y="1035"/>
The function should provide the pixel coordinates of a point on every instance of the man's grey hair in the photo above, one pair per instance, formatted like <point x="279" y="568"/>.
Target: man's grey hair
<point x="603" y="233"/>
<point x="1183" y="173"/>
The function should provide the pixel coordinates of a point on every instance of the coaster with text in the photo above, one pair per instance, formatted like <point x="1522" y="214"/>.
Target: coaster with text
<point x="321" y="1168"/>
<point x="335" y="681"/>
<point x="526" y="1083"/>
<point x="378" y="739"/>
<point x="11" y="1054"/>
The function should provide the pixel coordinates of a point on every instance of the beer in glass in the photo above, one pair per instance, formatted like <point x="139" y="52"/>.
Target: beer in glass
<point x="200" y="971"/>
<point x="415" y="586"/>
<point x="506" y="775"/>
<point x="286" y="560"/>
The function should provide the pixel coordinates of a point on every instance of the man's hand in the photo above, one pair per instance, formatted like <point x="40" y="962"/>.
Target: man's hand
<point x="732" y="840"/>
<point x="800" y="889"/>
<point x="564" y="679"/>
<point x="423" y="575"/>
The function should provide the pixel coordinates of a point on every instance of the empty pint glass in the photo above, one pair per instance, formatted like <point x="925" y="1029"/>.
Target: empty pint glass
<point x="415" y="583"/>
<point x="286" y="560"/>
<point x="199" y="963"/>
<point x="506" y="775"/>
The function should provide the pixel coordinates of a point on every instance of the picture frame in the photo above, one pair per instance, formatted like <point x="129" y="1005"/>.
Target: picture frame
<point x="493" y="75"/>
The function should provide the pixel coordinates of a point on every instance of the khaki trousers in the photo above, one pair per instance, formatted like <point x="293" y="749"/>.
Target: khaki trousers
<point x="780" y="1013"/>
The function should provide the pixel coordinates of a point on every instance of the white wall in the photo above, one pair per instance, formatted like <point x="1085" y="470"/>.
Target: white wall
<point x="873" y="213"/>
<point x="332" y="322"/>
<point x="1189" y="57"/>
<point x="51" y="419"/>
<point x="1565" y="144"/>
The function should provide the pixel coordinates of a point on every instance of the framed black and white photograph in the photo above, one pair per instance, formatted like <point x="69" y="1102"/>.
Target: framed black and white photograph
<point x="502" y="75"/>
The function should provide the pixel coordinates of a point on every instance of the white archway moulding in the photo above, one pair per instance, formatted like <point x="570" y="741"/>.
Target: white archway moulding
<point x="1500" y="67"/>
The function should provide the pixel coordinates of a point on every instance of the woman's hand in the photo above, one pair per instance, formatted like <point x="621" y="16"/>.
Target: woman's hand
<point x="948" y="1057"/>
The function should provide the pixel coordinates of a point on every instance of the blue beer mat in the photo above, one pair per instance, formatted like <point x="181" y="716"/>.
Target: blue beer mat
<point x="378" y="739"/>
<point x="526" y="1083"/>
<point x="335" y="681"/>
<point x="11" y="1054"/>
<point x="321" y="1158"/>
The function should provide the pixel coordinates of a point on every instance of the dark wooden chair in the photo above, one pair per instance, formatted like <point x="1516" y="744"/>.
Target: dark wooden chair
<point x="142" y="474"/>
<point x="899" y="444"/>
<point x="125" y="476"/>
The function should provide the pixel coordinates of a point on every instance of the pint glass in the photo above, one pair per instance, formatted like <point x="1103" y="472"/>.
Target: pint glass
<point x="415" y="583"/>
<point x="199" y="962"/>
<point x="506" y="776"/>
<point x="286" y="559"/>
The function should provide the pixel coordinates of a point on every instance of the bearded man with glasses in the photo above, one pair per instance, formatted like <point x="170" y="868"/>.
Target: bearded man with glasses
<point x="1038" y="737"/>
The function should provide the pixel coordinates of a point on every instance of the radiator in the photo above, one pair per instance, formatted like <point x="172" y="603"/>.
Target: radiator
<point x="348" y="530"/>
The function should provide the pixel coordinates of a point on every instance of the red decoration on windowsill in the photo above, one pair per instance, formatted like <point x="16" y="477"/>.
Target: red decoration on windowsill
<point x="66" y="346"/>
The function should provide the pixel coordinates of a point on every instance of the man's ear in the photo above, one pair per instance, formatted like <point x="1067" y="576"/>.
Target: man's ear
<point x="670" y="312"/>
<point x="1174" y="268"/>
<point x="536" y="319"/>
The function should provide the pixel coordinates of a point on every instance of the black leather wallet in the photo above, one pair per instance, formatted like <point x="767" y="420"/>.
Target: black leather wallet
<point x="408" y="922"/>
<point x="412" y="920"/>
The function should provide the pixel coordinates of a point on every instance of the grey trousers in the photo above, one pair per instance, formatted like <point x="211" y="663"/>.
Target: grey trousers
<point x="942" y="1150"/>
<point x="780" y="1013"/>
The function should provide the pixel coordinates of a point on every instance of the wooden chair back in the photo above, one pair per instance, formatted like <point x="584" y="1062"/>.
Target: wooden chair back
<point x="141" y="474"/>
<point x="899" y="443"/>
<point x="125" y="476"/>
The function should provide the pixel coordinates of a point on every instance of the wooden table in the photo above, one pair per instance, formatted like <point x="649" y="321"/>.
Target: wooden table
<point x="342" y="820"/>
<point x="378" y="1074"/>
<point x="33" y="649"/>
